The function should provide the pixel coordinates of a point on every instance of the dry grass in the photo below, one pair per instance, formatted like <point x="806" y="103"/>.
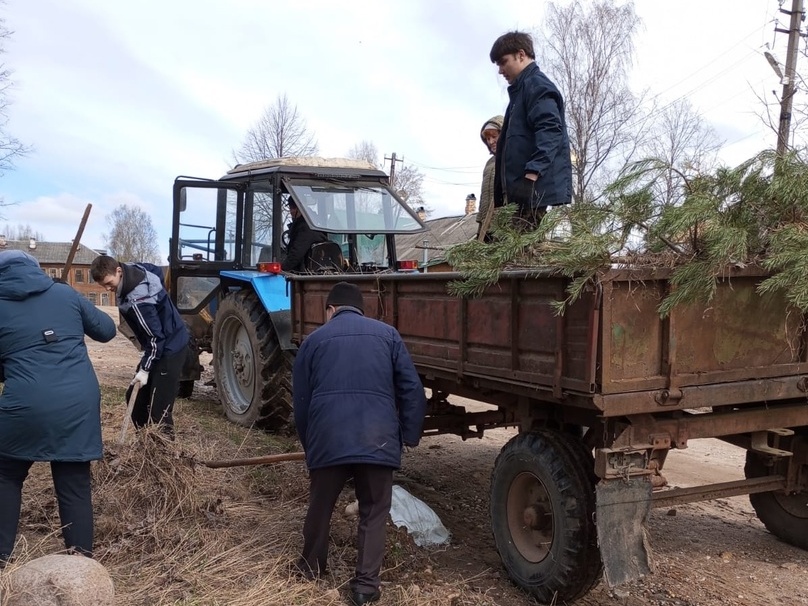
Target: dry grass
<point x="172" y="531"/>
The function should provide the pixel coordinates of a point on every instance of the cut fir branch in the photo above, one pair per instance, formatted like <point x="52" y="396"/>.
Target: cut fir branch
<point x="738" y="216"/>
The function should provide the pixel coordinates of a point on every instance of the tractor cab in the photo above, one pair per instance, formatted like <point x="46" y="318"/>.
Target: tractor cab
<point x="230" y="236"/>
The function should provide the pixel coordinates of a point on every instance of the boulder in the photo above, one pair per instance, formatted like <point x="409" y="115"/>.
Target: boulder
<point x="60" y="580"/>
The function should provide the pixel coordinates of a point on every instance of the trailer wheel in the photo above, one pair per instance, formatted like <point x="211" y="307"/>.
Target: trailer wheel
<point x="542" y="516"/>
<point x="252" y="372"/>
<point x="784" y="515"/>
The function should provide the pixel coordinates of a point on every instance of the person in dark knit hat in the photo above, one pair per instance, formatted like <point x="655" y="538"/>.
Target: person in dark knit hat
<point x="358" y="401"/>
<point x="301" y="239"/>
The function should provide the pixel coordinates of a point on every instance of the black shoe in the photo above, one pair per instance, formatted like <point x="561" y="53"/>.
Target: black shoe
<point x="357" y="599"/>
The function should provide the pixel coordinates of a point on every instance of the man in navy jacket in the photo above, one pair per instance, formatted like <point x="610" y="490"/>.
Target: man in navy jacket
<point x="148" y="310"/>
<point x="358" y="401"/>
<point x="533" y="165"/>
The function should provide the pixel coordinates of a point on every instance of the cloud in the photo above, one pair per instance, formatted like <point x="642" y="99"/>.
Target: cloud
<point x="119" y="99"/>
<point x="58" y="217"/>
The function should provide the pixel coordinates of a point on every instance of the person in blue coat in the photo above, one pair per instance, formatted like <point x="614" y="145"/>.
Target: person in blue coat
<point x="157" y="325"/>
<point x="358" y="401"/>
<point x="533" y="164"/>
<point x="50" y="408"/>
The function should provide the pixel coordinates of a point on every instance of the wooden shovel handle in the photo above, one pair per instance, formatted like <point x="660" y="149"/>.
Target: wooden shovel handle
<point x="129" y="407"/>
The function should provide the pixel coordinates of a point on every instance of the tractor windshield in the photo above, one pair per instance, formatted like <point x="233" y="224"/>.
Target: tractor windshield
<point x="333" y="205"/>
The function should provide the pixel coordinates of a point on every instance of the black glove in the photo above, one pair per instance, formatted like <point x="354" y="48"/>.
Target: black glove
<point x="523" y="193"/>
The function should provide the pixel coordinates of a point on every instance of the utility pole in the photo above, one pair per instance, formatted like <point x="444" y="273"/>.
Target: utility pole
<point x="789" y="86"/>
<point x="393" y="161"/>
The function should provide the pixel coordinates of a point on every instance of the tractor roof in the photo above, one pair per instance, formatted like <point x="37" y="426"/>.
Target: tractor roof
<point x="328" y="167"/>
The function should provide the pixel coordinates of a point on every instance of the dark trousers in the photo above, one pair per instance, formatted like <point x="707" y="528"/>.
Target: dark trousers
<point x="373" y="485"/>
<point x="72" y="482"/>
<point x="155" y="402"/>
<point x="528" y="218"/>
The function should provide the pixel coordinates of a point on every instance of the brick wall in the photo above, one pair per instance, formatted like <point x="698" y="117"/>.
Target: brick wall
<point x="80" y="279"/>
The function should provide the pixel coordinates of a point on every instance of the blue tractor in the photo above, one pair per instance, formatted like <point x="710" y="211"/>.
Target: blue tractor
<point x="229" y="237"/>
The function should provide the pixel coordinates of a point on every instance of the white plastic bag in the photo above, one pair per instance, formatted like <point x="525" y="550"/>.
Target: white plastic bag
<point x="418" y="518"/>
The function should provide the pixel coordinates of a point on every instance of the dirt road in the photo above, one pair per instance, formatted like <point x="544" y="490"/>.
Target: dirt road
<point x="706" y="554"/>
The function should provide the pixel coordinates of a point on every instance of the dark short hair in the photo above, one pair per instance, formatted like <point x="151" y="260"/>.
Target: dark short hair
<point x="510" y="44"/>
<point x="103" y="266"/>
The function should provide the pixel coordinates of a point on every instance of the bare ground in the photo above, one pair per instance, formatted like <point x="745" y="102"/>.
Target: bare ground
<point x="705" y="554"/>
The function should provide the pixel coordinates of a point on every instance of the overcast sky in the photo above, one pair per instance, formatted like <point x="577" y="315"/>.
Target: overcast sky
<point x="119" y="98"/>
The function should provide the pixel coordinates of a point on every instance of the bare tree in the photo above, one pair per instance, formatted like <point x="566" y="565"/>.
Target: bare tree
<point x="10" y="147"/>
<point x="684" y="144"/>
<point x="365" y="150"/>
<point x="408" y="181"/>
<point x="22" y="232"/>
<point x="280" y="132"/>
<point x="132" y="236"/>
<point x="588" y="51"/>
<point x="771" y="108"/>
<point x="409" y="184"/>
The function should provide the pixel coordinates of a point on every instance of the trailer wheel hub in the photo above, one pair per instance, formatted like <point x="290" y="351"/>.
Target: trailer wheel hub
<point x="530" y="517"/>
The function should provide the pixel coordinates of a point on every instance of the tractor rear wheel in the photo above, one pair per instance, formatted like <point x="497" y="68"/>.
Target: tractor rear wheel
<point x="252" y="372"/>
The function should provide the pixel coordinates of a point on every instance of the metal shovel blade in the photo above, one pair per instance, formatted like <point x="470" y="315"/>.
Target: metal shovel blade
<point x="622" y="511"/>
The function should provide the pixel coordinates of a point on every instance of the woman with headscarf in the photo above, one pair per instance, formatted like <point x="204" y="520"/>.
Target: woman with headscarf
<point x="490" y="135"/>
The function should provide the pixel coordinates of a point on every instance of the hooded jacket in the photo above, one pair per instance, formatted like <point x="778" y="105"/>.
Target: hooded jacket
<point x="50" y="406"/>
<point x="534" y="140"/>
<point x="357" y="395"/>
<point x="150" y="313"/>
<point x="487" y="187"/>
<point x="301" y="239"/>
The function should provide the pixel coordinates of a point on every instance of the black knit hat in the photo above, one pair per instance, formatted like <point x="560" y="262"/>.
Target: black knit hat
<point x="345" y="293"/>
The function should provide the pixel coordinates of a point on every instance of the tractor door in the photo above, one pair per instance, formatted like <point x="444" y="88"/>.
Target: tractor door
<point x="206" y="238"/>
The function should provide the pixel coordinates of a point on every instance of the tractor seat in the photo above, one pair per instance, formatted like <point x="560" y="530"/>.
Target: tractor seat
<point x="325" y="257"/>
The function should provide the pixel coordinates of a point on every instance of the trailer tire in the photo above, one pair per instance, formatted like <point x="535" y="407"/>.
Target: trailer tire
<point x="252" y="372"/>
<point x="543" y="516"/>
<point x="785" y="516"/>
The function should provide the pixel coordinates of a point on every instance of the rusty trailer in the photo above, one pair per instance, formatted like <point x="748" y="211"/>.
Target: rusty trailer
<point x="600" y="395"/>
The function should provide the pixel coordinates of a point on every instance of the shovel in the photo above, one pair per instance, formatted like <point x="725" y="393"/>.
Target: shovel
<point x="265" y="460"/>
<point x="129" y="407"/>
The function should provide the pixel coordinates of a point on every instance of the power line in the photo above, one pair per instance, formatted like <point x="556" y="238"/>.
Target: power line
<point x="708" y="64"/>
<point x="448" y="169"/>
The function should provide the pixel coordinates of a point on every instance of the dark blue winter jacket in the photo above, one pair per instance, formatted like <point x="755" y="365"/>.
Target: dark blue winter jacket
<point x="357" y="395"/>
<point x="50" y="409"/>
<point x="150" y="313"/>
<point x="534" y="140"/>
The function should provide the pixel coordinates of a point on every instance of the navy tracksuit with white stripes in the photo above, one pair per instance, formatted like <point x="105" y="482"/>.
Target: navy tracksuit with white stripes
<point x="163" y="336"/>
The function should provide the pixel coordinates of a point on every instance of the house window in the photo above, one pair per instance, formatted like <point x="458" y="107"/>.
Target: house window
<point x="104" y="298"/>
<point x="79" y="276"/>
<point x="53" y="272"/>
<point x="93" y="297"/>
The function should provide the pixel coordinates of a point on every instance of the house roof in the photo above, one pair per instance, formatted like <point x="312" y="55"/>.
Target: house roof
<point x="441" y="234"/>
<point x="52" y="252"/>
